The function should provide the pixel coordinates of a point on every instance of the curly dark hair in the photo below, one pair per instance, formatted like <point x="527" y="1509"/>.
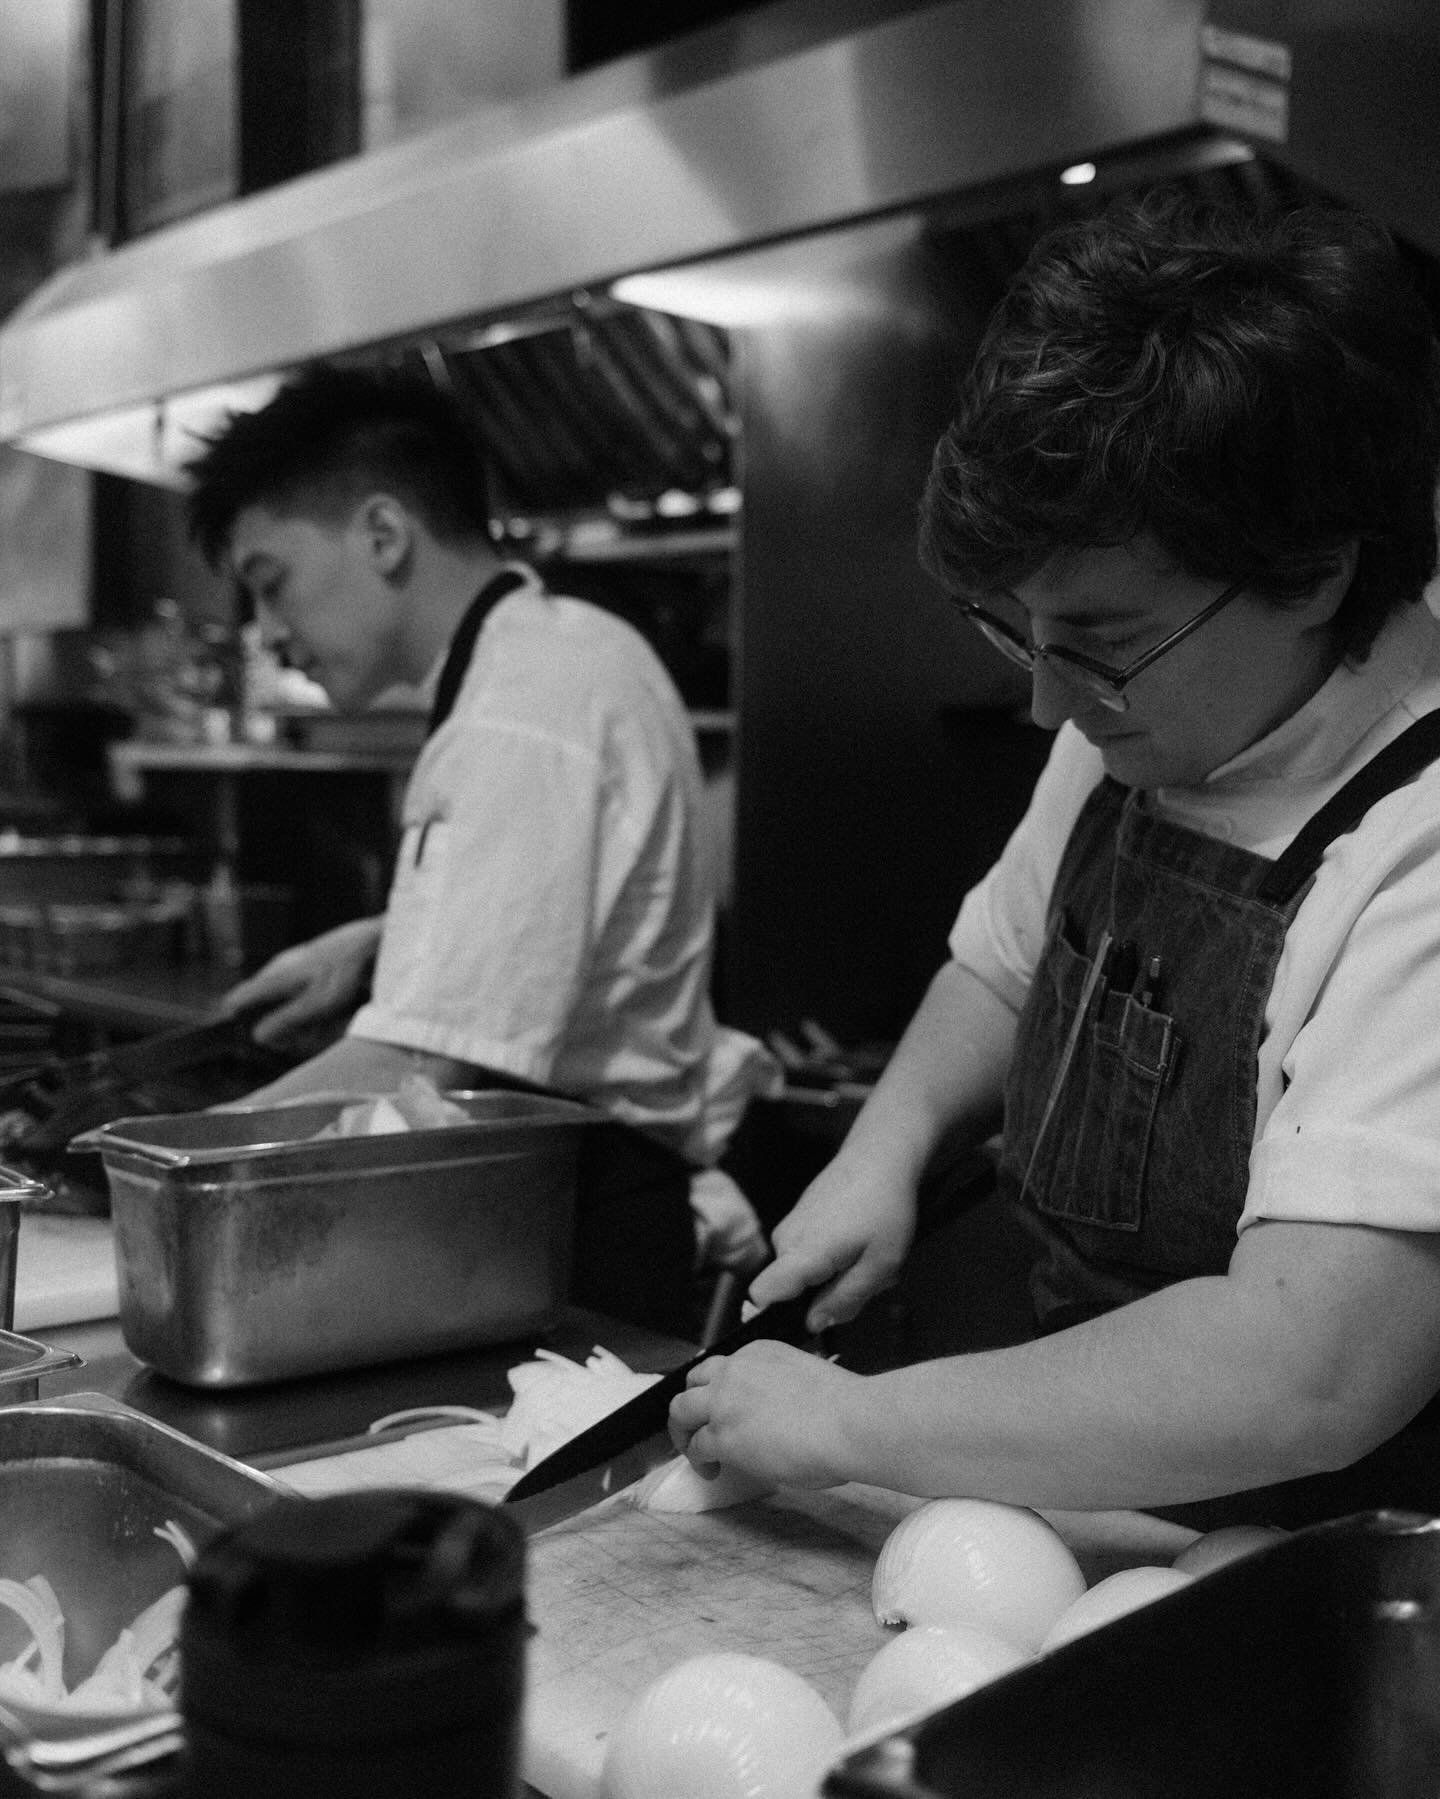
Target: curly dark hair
<point x="329" y="437"/>
<point x="1252" y="393"/>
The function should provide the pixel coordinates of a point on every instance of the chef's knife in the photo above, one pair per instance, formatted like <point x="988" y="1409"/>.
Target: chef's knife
<point x="634" y="1439"/>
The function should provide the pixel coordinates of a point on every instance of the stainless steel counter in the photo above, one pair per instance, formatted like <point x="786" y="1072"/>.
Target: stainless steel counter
<point x="269" y="1426"/>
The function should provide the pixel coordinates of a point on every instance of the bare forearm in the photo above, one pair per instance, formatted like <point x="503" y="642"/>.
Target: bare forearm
<point x="1318" y="1343"/>
<point x="1210" y="1386"/>
<point x="946" y="1077"/>
<point x="1143" y="1407"/>
<point x="357" y="1065"/>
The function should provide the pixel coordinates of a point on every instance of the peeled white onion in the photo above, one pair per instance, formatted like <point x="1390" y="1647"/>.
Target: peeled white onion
<point x="676" y="1487"/>
<point x="975" y="1561"/>
<point x="723" y="1727"/>
<point x="927" y="1667"/>
<point x="1111" y="1598"/>
<point x="1227" y="1544"/>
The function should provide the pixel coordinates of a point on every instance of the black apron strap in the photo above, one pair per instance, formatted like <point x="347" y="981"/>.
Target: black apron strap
<point x="462" y="644"/>
<point x="1399" y="762"/>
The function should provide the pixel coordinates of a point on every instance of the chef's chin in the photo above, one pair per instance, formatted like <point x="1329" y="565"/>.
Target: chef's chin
<point x="1129" y="758"/>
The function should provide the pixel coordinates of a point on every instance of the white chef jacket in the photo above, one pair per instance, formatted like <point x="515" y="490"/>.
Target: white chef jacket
<point x="551" y="914"/>
<point x="1347" y="1127"/>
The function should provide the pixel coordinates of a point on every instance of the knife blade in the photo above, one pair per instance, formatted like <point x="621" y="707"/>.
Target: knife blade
<point x="634" y="1439"/>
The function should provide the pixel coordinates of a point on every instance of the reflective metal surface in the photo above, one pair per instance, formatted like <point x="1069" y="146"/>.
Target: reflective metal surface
<point x="628" y="168"/>
<point x="251" y="1249"/>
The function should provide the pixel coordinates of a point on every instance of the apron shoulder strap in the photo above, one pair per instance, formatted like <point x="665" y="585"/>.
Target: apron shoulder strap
<point x="1398" y="763"/>
<point x="462" y="644"/>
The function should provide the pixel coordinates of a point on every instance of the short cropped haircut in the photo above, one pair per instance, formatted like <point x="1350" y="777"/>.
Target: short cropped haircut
<point x="330" y="437"/>
<point x="1250" y="392"/>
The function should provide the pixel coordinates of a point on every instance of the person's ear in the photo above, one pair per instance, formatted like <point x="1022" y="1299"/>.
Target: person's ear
<point x="1331" y="589"/>
<point x="388" y="533"/>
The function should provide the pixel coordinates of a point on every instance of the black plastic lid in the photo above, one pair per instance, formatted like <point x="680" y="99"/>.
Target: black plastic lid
<point x="356" y="1614"/>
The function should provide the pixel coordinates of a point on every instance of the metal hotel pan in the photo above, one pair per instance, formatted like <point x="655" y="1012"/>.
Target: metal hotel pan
<point x="84" y="1484"/>
<point x="1310" y="1670"/>
<point x="250" y="1250"/>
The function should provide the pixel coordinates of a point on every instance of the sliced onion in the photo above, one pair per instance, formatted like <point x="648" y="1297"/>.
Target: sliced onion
<point x="123" y="1678"/>
<point x="1112" y="1598"/>
<point x="927" y="1667"/>
<point x="723" y="1727"/>
<point x="555" y="1399"/>
<point x="676" y="1487"/>
<point x="975" y="1561"/>
<point x="34" y="1603"/>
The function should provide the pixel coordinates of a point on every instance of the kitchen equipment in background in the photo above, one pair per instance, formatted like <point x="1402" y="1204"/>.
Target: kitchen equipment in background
<point x="361" y="1644"/>
<point x="85" y="1486"/>
<point x="75" y="867"/>
<point x="63" y="1098"/>
<point x="1310" y="1667"/>
<point x="28" y="1029"/>
<point x="250" y="1249"/>
<point x="80" y="904"/>
<point x="15" y="1189"/>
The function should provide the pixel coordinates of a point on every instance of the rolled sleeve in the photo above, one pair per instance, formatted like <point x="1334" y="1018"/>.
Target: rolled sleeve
<point x="1000" y="930"/>
<point x="1348" y="1128"/>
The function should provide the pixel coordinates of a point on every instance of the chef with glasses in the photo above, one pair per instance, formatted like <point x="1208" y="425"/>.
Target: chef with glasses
<point x="1190" y="486"/>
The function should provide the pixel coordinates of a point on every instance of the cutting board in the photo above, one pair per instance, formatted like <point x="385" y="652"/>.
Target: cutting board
<point x="618" y="1596"/>
<point x="64" y="1270"/>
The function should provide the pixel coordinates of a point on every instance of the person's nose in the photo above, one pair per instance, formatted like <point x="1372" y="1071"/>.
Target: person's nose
<point x="1053" y="699"/>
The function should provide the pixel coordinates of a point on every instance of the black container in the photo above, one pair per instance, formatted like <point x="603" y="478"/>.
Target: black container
<point x="1310" y="1670"/>
<point x="363" y="1644"/>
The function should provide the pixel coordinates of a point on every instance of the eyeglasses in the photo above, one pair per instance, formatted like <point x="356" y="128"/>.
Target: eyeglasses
<point x="1098" y="679"/>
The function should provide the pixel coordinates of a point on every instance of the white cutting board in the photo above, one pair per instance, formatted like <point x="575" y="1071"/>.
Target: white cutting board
<point x="618" y="1596"/>
<point x="64" y="1271"/>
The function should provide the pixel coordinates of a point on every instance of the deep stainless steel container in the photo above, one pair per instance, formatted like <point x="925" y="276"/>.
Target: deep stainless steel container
<point x="85" y="1483"/>
<point x="251" y="1250"/>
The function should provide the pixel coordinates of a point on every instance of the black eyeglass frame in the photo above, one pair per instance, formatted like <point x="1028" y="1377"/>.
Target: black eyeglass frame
<point x="1099" y="678"/>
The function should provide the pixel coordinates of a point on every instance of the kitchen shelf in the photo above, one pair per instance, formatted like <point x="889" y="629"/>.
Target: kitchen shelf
<point x="263" y="758"/>
<point x="662" y="546"/>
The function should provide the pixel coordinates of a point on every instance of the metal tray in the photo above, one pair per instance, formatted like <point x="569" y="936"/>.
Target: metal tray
<point x="24" y="1363"/>
<point x="1308" y="1671"/>
<point x="84" y="1484"/>
<point x="249" y="1250"/>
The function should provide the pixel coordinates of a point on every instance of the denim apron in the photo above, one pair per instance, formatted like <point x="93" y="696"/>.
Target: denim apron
<point x="1130" y="1105"/>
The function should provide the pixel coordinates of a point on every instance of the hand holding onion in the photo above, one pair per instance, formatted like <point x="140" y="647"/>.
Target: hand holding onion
<point x="772" y="1411"/>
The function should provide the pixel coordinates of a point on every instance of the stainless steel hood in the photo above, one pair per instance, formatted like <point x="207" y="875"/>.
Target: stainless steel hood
<point x="745" y="135"/>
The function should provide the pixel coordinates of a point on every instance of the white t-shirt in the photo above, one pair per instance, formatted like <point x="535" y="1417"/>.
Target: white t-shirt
<point x="1347" y="1127"/>
<point x="551" y="914"/>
